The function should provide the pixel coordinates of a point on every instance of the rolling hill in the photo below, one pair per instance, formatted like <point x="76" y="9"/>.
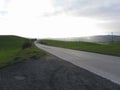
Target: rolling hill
<point x="12" y="51"/>
<point x="9" y="46"/>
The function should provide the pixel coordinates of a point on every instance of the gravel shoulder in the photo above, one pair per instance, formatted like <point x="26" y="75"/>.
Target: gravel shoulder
<point x="51" y="73"/>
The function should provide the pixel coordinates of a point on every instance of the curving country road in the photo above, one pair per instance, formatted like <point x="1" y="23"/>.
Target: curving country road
<point x="103" y="65"/>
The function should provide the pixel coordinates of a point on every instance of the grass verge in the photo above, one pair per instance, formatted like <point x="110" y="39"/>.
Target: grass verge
<point x="109" y="49"/>
<point x="12" y="51"/>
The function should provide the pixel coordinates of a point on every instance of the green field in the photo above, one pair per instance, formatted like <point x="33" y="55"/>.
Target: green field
<point x="11" y="50"/>
<point x="86" y="46"/>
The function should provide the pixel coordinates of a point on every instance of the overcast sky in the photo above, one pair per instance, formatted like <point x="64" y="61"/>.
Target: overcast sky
<point x="59" y="18"/>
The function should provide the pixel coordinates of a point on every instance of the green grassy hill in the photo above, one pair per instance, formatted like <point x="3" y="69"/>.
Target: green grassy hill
<point x="9" y="46"/>
<point x="109" y="49"/>
<point x="11" y="50"/>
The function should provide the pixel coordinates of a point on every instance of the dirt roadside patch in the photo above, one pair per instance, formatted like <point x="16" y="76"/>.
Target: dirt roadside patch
<point x="51" y="73"/>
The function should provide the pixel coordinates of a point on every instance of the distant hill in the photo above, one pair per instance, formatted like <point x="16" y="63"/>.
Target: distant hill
<point x="97" y="39"/>
<point x="101" y="38"/>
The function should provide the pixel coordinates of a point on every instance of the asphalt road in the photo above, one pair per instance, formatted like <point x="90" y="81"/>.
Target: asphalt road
<point x="102" y="65"/>
<point x="51" y="73"/>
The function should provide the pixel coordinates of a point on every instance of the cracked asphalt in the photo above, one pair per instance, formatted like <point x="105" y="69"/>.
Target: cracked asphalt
<point x="51" y="73"/>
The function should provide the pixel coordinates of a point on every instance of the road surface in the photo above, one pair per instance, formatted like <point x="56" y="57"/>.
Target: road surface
<point x="102" y="65"/>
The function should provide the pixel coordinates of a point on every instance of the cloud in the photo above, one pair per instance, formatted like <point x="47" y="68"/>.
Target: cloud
<point x="60" y="18"/>
<point x="103" y="8"/>
<point x="4" y="7"/>
<point x="2" y="13"/>
<point x="107" y="10"/>
<point x="113" y="26"/>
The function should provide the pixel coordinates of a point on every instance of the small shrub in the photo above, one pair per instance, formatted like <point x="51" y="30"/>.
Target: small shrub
<point x="34" y="39"/>
<point x="27" y="45"/>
